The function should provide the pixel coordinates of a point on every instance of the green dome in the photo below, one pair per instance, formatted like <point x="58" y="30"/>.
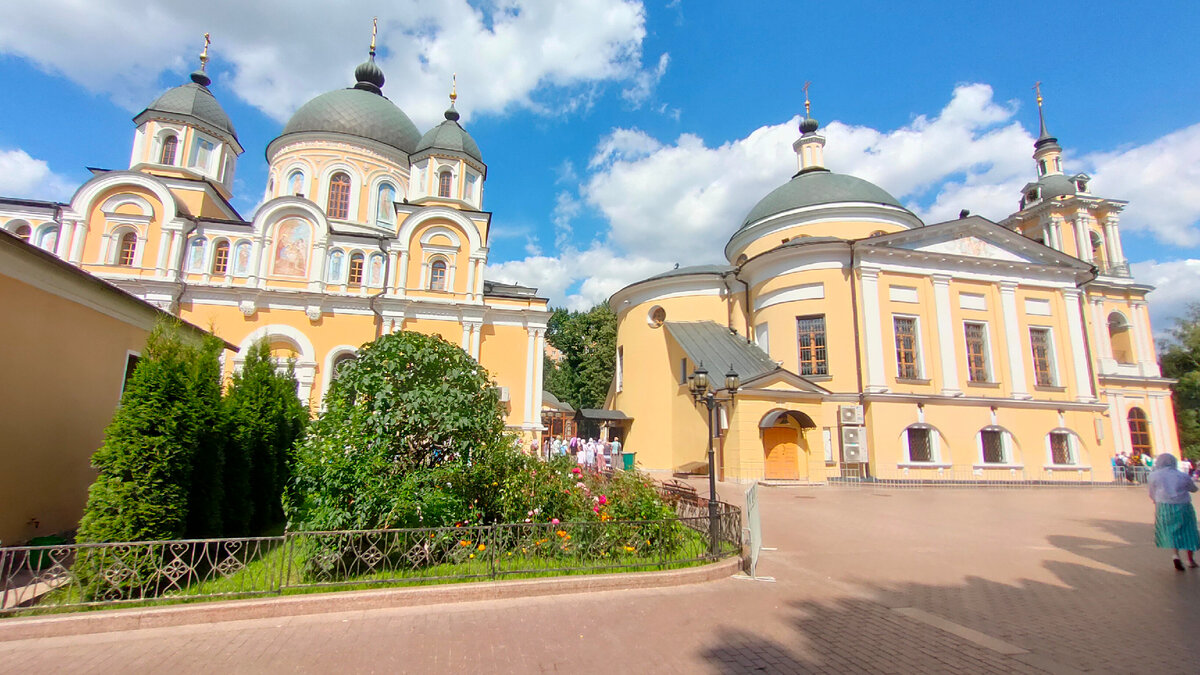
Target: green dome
<point x="817" y="187"/>
<point x="449" y="135"/>
<point x="194" y="100"/>
<point x="1056" y="185"/>
<point x="356" y="112"/>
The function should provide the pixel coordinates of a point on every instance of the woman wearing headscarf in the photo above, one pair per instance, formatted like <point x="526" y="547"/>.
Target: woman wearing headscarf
<point x="1174" y="516"/>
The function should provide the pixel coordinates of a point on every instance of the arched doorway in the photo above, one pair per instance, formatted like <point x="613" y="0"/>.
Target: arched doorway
<point x="785" y="450"/>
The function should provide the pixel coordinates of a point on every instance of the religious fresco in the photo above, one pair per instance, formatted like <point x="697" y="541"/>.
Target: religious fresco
<point x="293" y="239"/>
<point x="375" y="271"/>
<point x="241" y="259"/>
<point x="337" y="262"/>
<point x="196" y="255"/>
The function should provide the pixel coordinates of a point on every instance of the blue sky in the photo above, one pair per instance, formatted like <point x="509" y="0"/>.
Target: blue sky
<point x="624" y="136"/>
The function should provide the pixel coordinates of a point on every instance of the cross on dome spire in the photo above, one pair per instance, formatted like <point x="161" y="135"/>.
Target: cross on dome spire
<point x="374" y="32"/>
<point x="368" y="75"/>
<point x="810" y="147"/>
<point x="451" y="113"/>
<point x="201" y="77"/>
<point x="807" y="125"/>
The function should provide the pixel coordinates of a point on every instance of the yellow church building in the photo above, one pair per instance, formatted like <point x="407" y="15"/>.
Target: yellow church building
<point x="869" y="343"/>
<point x="366" y="227"/>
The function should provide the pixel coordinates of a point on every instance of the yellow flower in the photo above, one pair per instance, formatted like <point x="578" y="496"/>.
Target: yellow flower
<point x="630" y="549"/>
<point x="471" y="556"/>
<point x="482" y="546"/>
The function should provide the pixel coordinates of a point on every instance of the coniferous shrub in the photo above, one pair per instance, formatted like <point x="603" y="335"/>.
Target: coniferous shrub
<point x="206" y="499"/>
<point x="264" y="418"/>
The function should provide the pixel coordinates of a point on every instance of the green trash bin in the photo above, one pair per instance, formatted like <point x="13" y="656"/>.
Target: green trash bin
<point x="627" y="459"/>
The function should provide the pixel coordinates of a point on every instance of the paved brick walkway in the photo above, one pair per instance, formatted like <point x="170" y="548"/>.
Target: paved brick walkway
<point x="884" y="581"/>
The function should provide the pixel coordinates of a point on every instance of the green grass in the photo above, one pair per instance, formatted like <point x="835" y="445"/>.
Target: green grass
<point x="261" y="576"/>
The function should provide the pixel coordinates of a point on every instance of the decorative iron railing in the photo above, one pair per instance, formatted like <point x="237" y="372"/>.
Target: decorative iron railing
<point x="46" y="578"/>
<point x="857" y="475"/>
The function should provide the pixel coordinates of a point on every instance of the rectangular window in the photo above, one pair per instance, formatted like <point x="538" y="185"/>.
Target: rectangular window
<point x="1060" y="448"/>
<point x="355" y="277"/>
<point x="813" y="358"/>
<point x="992" y="441"/>
<point x="620" y="367"/>
<point x="1043" y="364"/>
<point x="977" y="361"/>
<point x="920" y="446"/>
<point x="683" y="373"/>
<point x="201" y="153"/>
<point x="906" y="347"/>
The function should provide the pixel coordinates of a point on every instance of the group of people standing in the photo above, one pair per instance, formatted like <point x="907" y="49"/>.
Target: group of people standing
<point x="1136" y="467"/>
<point x="591" y="453"/>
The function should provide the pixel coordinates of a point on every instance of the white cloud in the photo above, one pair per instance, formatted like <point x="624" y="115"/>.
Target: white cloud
<point x="1161" y="180"/>
<point x="1175" y="283"/>
<point x="645" y="81"/>
<point x="598" y="271"/>
<point x="973" y="154"/>
<point x="279" y="54"/>
<point x="23" y="176"/>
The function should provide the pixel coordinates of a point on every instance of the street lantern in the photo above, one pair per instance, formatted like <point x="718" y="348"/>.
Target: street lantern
<point x="698" y="384"/>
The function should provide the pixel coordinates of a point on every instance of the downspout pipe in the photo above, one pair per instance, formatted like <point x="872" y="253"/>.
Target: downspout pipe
<point x="862" y="399"/>
<point x="387" y="271"/>
<point x="749" y="314"/>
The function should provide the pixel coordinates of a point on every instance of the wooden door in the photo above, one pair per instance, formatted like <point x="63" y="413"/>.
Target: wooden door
<point x="782" y="454"/>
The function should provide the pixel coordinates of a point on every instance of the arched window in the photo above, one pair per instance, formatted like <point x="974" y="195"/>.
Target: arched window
<point x="437" y="275"/>
<point x="333" y="273"/>
<point x="220" y="259"/>
<point x="1139" y="431"/>
<point x="355" y="276"/>
<point x="196" y="255"/>
<point x="1062" y="447"/>
<point x="296" y="184"/>
<point x="340" y="362"/>
<point x="168" y="150"/>
<point x="127" y="248"/>
<point x="48" y="238"/>
<point x="444" y="180"/>
<point x="386" y="208"/>
<point x="995" y="445"/>
<point x="338" y="205"/>
<point x="23" y="232"/>
<point x="1041" y="167"/>
<point x="921" y="443"/>
<point x="1121" y="338"/>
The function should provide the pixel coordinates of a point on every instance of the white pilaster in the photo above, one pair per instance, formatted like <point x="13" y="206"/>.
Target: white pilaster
<point x="470" y="280"/>
<point x="476" y="329"/>
<point x="78" y="242"/>
<point x="529" y="372"/>
<point x="479" y="279"/>
<point x="402" y="274"/>
<point x="1083" y="242"/>
<point x="1012" y="338"/>
<point x="946" y="335"/>
<point x="1120" y="427"/>
<point x="389" y="282"/>
<point x="62" y="245"/>
<point x="466" y="336"/>
<point x="1158" y="425"/>
<point x="1140" y="321"/>
<point x="256" y="263"/>
<point x="539" y="350"/>
<point x="876" y="375"/>
<point x="1083" y="379"/>
<point x="316" y="275"/>
<point x="164" y="250"/>
<point x="1100" y="328"/>
<point x="1113" y="237"/>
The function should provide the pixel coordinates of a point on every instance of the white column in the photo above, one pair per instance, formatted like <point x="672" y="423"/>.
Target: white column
<point x="424" y="280"/>
<point x="402" y="274"/>
<point x="466" y="336"/>
<point x="470" y="280"/>
<point x="1100" y="328"/>
<point x="479" y="279"/>
<point x="1144" y="341"/>
<point x="946" y="335"/>
<point x="62" y="244"/>
<point x="1056" y="226"/>
<point x="1083" y="242"/>
<point x="1157" y="422"/>
<point x="1012" y="336"/>
<point x="1112" y="236"/>
<point x="389" y="283"/>
<point x="476" y="329"/>
<point x="876" y="377"/>
<point x="539" y="350"/>
<point x="316" y="277"/>
<point x="529" y="371"/>
<point x="1120" y="428"/>
<point x="164" y="249"/>
<point x="1083" y="380"/>
<point x="78" y="242"/>
<point x="256" y="263"/>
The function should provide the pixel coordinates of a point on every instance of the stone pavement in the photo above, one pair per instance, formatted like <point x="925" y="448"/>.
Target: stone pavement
<point x="931" y="580"/>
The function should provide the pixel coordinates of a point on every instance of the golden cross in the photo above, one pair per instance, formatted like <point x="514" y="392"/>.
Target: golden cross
<point x="807" y="105"/>
<point x="204" y="54"/>
<point x="1037" y="86"/>
<point x="453" y="88"/>
<point x="374" y="31"/>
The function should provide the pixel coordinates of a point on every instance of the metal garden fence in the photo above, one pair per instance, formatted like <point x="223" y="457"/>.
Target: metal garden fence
<point x="45" y="578"/>
<point x="998" y="477"/>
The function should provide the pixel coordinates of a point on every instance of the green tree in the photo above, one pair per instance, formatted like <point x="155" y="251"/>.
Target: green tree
<point x="588" y="342"/>
<point x="403" y="428"/>
<point x="1181" y="361"/>
<point x="264" y="418"/>
<point x="206" y="498"/>
<point x="146" y="463"/>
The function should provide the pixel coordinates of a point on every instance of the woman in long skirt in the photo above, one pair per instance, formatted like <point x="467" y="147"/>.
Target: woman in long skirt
<point x="1174" y="516"/>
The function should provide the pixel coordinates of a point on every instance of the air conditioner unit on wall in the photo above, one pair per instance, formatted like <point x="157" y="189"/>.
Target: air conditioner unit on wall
<point x="854" y="445"/>
<point x="850" y="414"/>
<point x="503" y="394"/>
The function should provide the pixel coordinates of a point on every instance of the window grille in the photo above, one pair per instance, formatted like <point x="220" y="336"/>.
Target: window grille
<point x="813" y="357"/>
<point x="1060" y="448"/>
<point x="993" y="446"/>
<point x="906" y="347"/>
<point x="920" y="446"/>
<point x="1039" y="340"/>
<point x="977" y="367"/>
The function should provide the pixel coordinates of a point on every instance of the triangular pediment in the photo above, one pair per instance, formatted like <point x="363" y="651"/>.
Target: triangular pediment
<point x="974" y="237"/>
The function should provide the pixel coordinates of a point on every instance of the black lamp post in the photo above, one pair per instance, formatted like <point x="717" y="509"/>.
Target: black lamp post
<point x="701" y="393"/>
